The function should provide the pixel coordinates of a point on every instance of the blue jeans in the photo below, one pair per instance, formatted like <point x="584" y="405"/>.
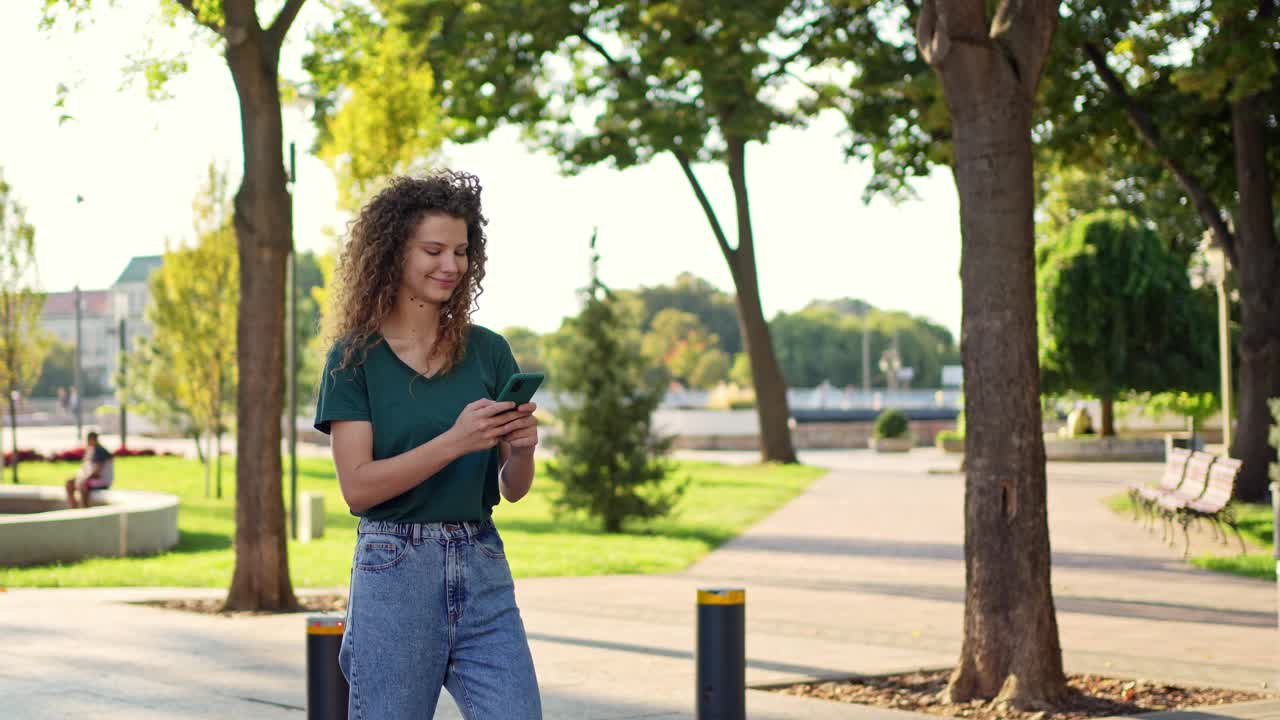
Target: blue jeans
<point x="433" y="605"/>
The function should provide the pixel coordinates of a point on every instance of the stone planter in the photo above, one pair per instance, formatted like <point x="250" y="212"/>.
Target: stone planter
<point x="892" y="445"/>
<point x="951" y="445"/>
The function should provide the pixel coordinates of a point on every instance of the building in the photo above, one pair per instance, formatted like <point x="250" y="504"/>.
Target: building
<point x="130" y="294"/>
<point x="97" y="349"/>
<point x="100" y="314"/>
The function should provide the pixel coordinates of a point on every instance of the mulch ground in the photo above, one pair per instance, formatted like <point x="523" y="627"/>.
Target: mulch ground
<point x="1092" y="696"/>
<point x="309" y="603"/>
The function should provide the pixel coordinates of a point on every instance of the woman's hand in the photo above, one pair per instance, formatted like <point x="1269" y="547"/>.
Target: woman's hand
<point x="523" y="434"/>
<point x="482" y="424"/>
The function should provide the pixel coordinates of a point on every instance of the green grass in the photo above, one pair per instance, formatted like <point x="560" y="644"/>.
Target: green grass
<point x="1256" y="525"/>
<point x="721" y="502"/>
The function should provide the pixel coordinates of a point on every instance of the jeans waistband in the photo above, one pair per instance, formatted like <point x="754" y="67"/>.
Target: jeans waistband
<point x="419" y="531"/>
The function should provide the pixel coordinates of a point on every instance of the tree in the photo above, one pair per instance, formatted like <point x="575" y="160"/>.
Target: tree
<point x="679" y="342"/>
<point x="989" y="67"/>
<point x="1197" y="407"/>
<point x="821" y="343"/>
<point x="264" y="233"/>
<point x="23" y="344"/>
<point x="715" y="309"/>
<point x="526" y="345"/>
<point x="388" y="122"/>
<point x="194" y="296"/>
<point x="1117" y="315"/>
<point x="696" y="81"/>
<point x="58" y="371"/>
<point x="609" y="461"/>
<point x="1194" y="89"/>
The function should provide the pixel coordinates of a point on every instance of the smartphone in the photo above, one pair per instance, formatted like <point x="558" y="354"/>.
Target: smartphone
<point x="520" y="388"/>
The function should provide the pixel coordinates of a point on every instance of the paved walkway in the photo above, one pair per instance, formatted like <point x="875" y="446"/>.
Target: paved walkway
<point x="835" y="585"/>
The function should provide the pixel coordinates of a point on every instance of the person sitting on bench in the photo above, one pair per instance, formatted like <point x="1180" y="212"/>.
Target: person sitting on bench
<point x="94" y="473"/>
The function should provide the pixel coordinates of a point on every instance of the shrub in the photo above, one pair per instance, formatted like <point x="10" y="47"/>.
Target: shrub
<point x="143" y="452"/>
<point x="891" y="424"/>
<point x="27" y="455"/>
<point x="949" y="436"/>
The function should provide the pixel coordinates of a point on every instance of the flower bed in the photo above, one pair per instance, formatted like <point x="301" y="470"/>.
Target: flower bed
<point x="76" y="455"/>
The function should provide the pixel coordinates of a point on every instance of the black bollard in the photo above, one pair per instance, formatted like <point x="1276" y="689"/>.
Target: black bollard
<point x="326" y="686"/>
<point x="722" y="654"/>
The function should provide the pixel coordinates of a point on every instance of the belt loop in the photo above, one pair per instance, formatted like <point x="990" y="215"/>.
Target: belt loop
<point x="471" y="535"/>
<point x="417" y="533"/>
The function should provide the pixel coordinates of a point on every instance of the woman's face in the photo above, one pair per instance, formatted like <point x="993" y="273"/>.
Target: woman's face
<point x="435" y="259"/>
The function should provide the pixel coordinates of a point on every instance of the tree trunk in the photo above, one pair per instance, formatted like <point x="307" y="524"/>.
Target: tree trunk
<point x="13" y="430"/>
<point x="208" y="464"/>
<point x="1258" y="274"/>
<point x="1108" y="428"/>
<point x="1011" y="649"/>
<point x="264" y="231"/>
<point x="772" y="411"/>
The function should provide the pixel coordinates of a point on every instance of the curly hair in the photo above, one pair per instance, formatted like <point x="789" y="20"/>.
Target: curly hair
<point x="371" y="264"/>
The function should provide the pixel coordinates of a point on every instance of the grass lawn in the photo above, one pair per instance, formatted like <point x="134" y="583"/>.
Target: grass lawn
<point x="1256" y="525"/>
<point x="720" y="503"/>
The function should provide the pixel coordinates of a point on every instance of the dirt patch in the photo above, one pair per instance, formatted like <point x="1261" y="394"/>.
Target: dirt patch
<point x="1091" y="696"/>
<point x="207" y="606"/>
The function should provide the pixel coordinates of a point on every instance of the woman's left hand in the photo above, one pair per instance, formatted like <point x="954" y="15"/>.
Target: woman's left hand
<point x="524" y="438"/>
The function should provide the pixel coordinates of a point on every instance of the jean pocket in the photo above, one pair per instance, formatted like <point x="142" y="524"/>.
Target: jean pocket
<point x="376" y="552"/>
<point x="490" y="543"/>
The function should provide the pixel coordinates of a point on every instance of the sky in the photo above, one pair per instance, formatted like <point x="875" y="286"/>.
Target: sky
<point x="138" y="164"/>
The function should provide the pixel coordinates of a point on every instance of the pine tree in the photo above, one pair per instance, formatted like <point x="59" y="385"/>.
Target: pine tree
<point x="609" y="461"/>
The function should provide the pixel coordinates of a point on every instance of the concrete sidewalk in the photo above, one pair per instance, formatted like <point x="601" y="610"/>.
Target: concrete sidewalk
<point x="863" y="574"/>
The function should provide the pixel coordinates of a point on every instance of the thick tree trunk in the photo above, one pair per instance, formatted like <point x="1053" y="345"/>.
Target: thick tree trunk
<point x="1108" y="428"/>
<point x="263" y="222"/>
<point x="772" y="411"/>
<point x="1011" y="650"/>
<point x="1258" y="274"/>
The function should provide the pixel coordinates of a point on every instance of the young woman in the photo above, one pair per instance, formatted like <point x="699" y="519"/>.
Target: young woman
<point x="423" y="453"/>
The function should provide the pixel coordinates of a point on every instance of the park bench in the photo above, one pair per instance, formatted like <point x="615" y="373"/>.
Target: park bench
<point x="1214" y="506"/>
<point x="1143" y="496"/>
<point x="1194" y="484"/>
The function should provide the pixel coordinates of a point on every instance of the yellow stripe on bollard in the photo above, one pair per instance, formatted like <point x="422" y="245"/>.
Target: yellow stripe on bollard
<point x="722" y="597"/>
<point x="315" y="628"/>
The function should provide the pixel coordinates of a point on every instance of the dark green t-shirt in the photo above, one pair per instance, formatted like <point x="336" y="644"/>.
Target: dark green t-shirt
<point x="408" y="410"/>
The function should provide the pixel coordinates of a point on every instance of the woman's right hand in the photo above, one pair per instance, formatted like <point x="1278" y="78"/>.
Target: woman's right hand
<point x="482" y="424"/>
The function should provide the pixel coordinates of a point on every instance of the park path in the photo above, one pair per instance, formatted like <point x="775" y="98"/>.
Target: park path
<point x="862" y="574"/>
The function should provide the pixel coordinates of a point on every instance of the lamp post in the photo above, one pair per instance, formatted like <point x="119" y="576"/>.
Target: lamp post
<point x="291" y="351"/>
<point x="121" y="335"/>
<point x="1218" y="276"/>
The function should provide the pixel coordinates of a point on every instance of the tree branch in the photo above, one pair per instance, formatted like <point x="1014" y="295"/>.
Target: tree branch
<point x="280" y="26"/>
<point x="1023" y="30"/>
<point x="931" y="34"/>
<point x="599" y="48"/>
<point x="784" y="62"/>
<point x="1141" y="121"/>
<point x="683" y="159"/>
<point x="189" y="6"/>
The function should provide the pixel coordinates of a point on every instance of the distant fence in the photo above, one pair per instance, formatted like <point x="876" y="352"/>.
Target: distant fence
<point x="819" y="398"/>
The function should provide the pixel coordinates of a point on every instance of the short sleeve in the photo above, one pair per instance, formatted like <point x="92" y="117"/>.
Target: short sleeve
<point x="343" y="393"/>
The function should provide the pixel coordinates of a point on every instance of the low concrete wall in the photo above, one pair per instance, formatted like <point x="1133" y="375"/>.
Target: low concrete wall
<point x="1111" y="449"/>
<point x="128" y="523"/>
<point x="812" y="436"/>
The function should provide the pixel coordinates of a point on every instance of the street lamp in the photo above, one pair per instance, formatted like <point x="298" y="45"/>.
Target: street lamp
<point x="1217" y="274"/>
